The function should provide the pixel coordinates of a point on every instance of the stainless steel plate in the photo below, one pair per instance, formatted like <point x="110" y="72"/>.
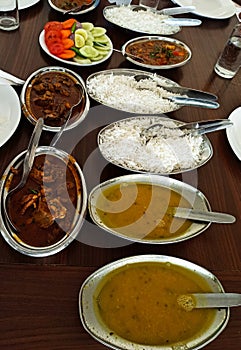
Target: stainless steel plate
<point x="128" y="23"/>
<point x="146" y="38"/>
<point x="98" y="330"/>
<point x="136" y="162"/>
<point x="104" y="88"/>
<point x="191" y="194"/>
<point x="87" y="9"/>
<point x="8" y="235"/>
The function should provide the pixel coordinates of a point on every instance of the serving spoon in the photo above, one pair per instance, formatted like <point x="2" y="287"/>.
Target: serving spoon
<point x="201" y="215"/>
<point x="208" y="300"/>
<point x="168" y="11"/>
<point x="27" y="165"/>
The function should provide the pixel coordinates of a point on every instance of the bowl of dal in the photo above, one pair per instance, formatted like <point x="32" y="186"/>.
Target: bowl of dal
<point x="140" y="208"/>
<point x="131" y="304"/>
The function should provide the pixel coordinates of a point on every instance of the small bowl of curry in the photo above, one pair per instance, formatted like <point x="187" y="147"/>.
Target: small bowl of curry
<point x="48" y="211"/>
<point x="50" y="93"/>
<point x="140" y="208"/>
<point x="131" y="304"/>
<point x="156" y="52"/>
<point x="83" y="6"/>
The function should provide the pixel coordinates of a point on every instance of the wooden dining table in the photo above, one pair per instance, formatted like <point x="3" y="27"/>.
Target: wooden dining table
<point x="39" y="295"/>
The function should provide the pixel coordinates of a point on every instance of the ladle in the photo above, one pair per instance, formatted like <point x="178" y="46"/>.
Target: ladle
<point x="27" y="165"/>
<point x="208" y="300"/>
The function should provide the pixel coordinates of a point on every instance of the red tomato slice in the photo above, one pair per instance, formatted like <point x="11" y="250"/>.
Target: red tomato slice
<point x="56" y="48"/>
<point x="52" y="36"/>
<point x="54" y="25"/>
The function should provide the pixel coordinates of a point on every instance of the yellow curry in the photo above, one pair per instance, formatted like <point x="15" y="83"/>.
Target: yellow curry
<point x="139" y="303"/>
<point x="141" y="210"/>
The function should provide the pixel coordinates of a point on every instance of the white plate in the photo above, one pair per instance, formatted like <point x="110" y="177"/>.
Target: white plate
<point x="234" y="132"/>
<point x="23" y="4"/>
<point x="44" y="47"/>
<point x="216" y="9"/>
<point x="10" y="112"/>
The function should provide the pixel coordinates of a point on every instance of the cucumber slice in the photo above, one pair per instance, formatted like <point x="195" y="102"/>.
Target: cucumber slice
<point x="82" y="32"/>
<point x="79" y="40"/>
<point x="88" y="51"/>
<point x="97" y="58"/>
<point x="81" y="60"/>
<point x="98" y="31"/>
<point x="103" y="39"/>
<point x="89" y="42"/>
<point x="87" y="26"/>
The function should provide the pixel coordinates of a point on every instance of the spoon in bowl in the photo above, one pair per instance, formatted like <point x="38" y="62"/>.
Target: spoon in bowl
<point x="208" y="300"/>
<point x="27" y="165"/>
<point x="169" y="11"/>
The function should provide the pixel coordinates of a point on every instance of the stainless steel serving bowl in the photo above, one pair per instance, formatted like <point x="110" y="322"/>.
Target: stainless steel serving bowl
<point x="11" y="238"/>
<point x="96" y="327"/>
<point x="82" y="108"/>
<point x="83" y="10"/>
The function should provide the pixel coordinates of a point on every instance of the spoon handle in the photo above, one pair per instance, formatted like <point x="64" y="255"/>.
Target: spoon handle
<point x="215" y="300"/>
<point x="200" y="215"/>
<point x="177" y="10"/>
<point x="195" y="102"/>
<point x="182" y="22"/>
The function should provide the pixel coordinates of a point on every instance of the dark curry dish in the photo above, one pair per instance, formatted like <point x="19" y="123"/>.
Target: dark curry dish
<point x="158" y="52"/>
<point x="50" y="95"/>
<point x="71" y="4"/>
<point x="43" y="211"/>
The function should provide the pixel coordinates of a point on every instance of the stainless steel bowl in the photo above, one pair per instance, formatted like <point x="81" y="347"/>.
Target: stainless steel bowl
<point x="191" y="194"/>
<point x="83" y="106"/>
<point x="86" y="9"/>
<point x="147" y="38"/>
<point x="11" y="238"/>
<point x="94" y="325"/>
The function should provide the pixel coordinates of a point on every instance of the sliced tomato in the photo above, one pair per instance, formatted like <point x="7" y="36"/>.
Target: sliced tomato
<point x="56" y="48"/>
<point x="54" y="25"/>
<point x="52" y="35"/>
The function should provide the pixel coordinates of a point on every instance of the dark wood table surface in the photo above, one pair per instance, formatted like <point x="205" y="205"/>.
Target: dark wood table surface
<point x="39" y="296"/>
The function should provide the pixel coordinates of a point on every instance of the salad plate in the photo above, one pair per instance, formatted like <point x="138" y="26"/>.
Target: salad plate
<point x="45" y="48"/>
<point x="23" y="4"/>
<point x="215" y="9"/>
<point x="233" y="133"/>
<point x="10" y="112"/>
<point x="145" y="22"/>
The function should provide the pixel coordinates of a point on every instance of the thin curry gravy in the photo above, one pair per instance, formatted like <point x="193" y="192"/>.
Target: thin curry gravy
<point x="157" y="52"/>
<point x="142" y="210"/>
<point x="139" y="303"/>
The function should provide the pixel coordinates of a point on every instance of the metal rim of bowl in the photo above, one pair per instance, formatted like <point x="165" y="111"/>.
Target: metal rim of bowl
<point x="94" y="4"/>
<point x="99" y="331"/>
<point x="79" y="216"/>
<point x="156" y="37"/>
<point x="54" y="69"/>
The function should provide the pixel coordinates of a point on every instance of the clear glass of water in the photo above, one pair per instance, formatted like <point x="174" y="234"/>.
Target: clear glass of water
<point x="229" y="61"/>
<point x="9" y="15"/>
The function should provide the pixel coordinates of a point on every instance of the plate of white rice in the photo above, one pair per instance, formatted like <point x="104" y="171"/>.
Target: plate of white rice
<point x="117" y="88"/>
<point x="122" y="144"/>
<point x="146" y="22"/>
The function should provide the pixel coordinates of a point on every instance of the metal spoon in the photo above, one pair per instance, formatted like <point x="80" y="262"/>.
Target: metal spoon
<point x="169" y="11"/>
<point x="208" y="300"/>
<point x="27" y="165"/>
<point x="179" y="89"/>
<point x="201" y="215"/>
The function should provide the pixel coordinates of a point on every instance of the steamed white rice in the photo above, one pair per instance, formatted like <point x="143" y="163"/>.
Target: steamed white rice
<point x="140" y="21"/>
<point x="122" y="144"/>
<point x="124" y="93"/>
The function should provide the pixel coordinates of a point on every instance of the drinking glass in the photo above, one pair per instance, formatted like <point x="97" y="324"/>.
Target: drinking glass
<point x="230" y="59"/>
<point x="9" y="15"/>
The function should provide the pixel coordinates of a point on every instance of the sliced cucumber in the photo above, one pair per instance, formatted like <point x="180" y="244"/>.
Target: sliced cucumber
<point x="103" y="39"/>
<point x="82" y="32"/>
<point x="89" y="42"/>
<point x="79" y="40"/>
<point x="81" y="60"/>
<point x="89" y="51"/>
<point x="87" y="26"/>
<point x="97" y="58"/>
<point x="98" y="31"/>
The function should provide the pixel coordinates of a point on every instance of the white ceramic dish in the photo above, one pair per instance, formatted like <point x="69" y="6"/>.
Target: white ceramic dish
<point x="215" y="9"/>
<point x="10" y="112"/>
<point x="99" y="331"/>
<point x="149" y="66"/>
<point x="122" y="101"/>
<point x="93" y="63"/>
<point x="138" y="154"/>
<point x="160" y="28"/>
<point x="191" y="194"/>
<point x="23" y="4"/>
<point x="234" y="133"/>
<point x="85" y="10"/>
<point x="81" y="205"/>
<point x="75" y="77"/>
